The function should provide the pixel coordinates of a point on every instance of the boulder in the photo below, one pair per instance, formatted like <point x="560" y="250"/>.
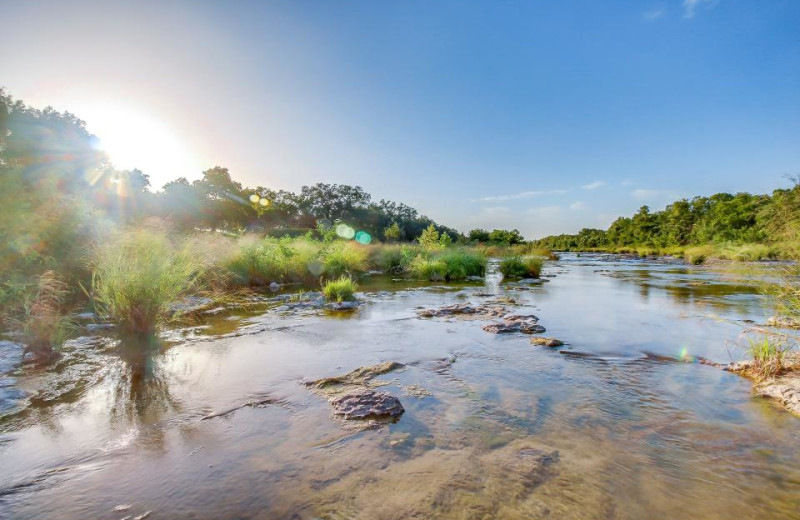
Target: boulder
<point x="365" y="404"/>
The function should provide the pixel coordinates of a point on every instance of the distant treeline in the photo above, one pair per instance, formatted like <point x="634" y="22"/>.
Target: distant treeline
<point x="718" y="219"/>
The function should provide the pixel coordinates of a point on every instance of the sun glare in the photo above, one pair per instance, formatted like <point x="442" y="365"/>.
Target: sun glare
<point x="136" y="139"/>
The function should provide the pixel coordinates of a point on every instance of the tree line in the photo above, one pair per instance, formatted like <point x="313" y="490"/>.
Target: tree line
<point x="720" y="218"/>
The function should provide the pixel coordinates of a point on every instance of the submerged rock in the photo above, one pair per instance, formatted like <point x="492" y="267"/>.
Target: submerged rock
<point x="547" y="342"/>
<point x="463" y="310"/>
<point x="352" y="395"/>
<point x="365" y="404"/>
<point x="516" y="323"/>
<point x="358" y="377"/>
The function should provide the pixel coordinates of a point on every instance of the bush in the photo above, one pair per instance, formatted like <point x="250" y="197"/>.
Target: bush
<point x="138" y="276"/>
<point x="340" y="290"/>
<point x="521" y="266"/>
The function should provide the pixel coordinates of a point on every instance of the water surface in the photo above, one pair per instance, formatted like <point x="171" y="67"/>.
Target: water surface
<point x="606" y="427"/>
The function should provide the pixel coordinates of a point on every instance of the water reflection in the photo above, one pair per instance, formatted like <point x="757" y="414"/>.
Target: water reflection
<point x="141" y="390"/>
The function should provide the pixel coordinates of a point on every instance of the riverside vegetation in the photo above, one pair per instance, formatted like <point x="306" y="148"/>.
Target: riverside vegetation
<point x="75" y="231"/>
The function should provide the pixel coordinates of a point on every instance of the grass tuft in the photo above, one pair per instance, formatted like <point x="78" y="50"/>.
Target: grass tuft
<point x="769" y="356"/>
<point x="340" y="290"/>
<point x="522" y="266"/>
<point x="138" y="276"/>
<point x="44" y="325"/>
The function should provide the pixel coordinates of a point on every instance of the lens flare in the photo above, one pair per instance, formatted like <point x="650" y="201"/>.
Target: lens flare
<point x="264" y="202"/>
<point x="362" y="237"/>
<point x="345" y="231"/>
<point x="254" y="198"/>
<point x="316" y="267"/>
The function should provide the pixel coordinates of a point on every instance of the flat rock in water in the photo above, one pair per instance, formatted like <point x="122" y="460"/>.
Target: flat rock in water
<point x="464" y="310"/>
<point x="547" y="342"/>
<point x="342" y="306"/>
<point x="360" y="376"/>
<point x="516" y="323"/>
<point x="783" y="322"/>
<point x="785" y="390"/>
<point x="366" y="404"/>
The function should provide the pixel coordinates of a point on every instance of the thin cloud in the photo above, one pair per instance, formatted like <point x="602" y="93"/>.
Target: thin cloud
<point x="522" y="195"/>
<point x="643" y="194"/>
<point x="577" y="205"/>
<point x="593" y="185"/>
<point x="626" y="182"/>
<point x="653" y="14"/>
<point x="690" y="6"/>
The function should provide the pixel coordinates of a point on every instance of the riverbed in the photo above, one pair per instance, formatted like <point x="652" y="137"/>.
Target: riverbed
<point x="619" y="423"/>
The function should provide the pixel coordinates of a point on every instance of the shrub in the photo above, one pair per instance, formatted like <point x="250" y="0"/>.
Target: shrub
<point x="138" y="276"/>
<point x="521" y="266"/>
<point x="340" y="290"/>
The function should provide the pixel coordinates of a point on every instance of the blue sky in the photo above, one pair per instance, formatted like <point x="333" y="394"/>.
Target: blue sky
<point x="544" y="116"/>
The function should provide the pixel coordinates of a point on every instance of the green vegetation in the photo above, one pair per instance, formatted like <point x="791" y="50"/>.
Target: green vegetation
<point x="340" y="290"/>
<point x="138" y="277"/>
<point x="522" y="266"/>
<point x="44" y="326"/>
<point x="741" y="227"/>
<point x="769" y="356"/>
<point x="448" y="264"/>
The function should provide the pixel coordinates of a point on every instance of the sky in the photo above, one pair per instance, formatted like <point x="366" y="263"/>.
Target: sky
<point x="544" y="116"/>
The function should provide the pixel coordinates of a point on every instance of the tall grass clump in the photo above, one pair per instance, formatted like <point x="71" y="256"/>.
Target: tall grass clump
<point x="461" y="263"/>
<point x="769" y="356"/>
<point x="44" y="326"/>
<point x="424" y="267"/>
<point x="257" y="263"/>
<point x="393" y="258"/>
<point x="697" y="255"/>
<point x="521" y="266"/>
<point x="342" y="258"/>
<point x="340" y="290"/>
<point x="137" y="277"/>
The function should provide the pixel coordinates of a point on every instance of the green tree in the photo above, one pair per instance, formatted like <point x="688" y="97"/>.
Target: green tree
<point x="393" y="233"/>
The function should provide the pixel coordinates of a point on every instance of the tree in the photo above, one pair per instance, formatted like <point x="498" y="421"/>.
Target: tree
<point x="429" y="239"/>
<point x="478" y="235"/>
<point x="393" y="233"/>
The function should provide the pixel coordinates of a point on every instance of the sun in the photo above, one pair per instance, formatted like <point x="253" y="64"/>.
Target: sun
<point x="134" y="138"/>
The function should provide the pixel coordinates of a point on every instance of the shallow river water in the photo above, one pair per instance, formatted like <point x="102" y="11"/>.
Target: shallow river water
<point x="607" y="427"/>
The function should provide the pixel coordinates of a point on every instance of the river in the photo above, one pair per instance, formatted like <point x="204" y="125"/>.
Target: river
<point x="617" y="424"/>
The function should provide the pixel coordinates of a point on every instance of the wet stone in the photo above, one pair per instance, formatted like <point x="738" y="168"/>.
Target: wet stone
<point x="516" y="323"/>
<point x="342" y="306"/>
<point x="547" y="342"/>
<point x="365" y="404"/>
